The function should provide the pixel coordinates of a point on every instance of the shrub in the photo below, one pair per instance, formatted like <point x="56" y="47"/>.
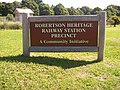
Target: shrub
<point x="1" y="26"/>
<point x="10" y="25"/>
<point x="2" y="18"/>
<point x="10" y="17"/>
<point x="16" y="26"/>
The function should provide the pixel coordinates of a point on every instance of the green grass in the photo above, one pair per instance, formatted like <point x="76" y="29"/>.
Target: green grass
<point x="58" y="71"/>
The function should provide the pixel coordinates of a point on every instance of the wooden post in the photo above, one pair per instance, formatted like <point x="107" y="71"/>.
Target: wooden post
<point x="102" y="30"/>
<point x="25" y="31"/>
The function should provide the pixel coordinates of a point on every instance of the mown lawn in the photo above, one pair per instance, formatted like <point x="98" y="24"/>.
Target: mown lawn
<point x="58" y="71"/>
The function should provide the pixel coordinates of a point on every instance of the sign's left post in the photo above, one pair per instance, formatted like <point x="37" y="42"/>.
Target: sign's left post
<point x="26" y="38"/>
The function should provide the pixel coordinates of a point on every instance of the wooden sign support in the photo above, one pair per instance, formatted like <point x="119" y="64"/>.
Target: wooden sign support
<point x="26" y="38"/>
<point x="102" y="35"/>
<point x="83" y="29"/>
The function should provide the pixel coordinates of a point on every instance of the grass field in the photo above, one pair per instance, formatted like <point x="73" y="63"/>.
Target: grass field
<point x="58" y="71"/>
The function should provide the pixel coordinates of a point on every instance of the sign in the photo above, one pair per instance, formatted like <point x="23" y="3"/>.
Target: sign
<point x="80" y="33"/>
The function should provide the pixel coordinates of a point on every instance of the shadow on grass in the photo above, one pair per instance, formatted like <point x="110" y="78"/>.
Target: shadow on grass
<point x="60" y="62"/>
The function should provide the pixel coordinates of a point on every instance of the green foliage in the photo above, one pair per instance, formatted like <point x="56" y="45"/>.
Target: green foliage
<point x="58" y="71"/>
<point x="9" y="8"/>
<point x="1" y="10"/>
<point x="17" y="4"/>
<point x="80" y="11"/>
<point x="38" y="2"/>
<point x="10" y="25"/>
<point x="112" y="10"/>
<point x="60" y="10"/>
<point x="10" y="17"/>
<point x="86" y="10"/>
<point x="96" y="10"/>
<point x="45" y="9"/>
<point x="31" y="4"/>
<point x="6" y="8"/>
<point x="116" y="20"/>
<point x="73" y="11"/>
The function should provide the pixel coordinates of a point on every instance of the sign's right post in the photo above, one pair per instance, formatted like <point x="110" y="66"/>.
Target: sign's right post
<point x="102" y="34"/>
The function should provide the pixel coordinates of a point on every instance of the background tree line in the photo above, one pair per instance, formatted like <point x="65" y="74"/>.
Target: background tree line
<point x="40" y="8"/>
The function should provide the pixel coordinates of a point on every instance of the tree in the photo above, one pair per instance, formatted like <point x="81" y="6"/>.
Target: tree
<point x="118" y="11"/>
<point x="60" y="10"/>
<point x="52" y="6"/>
<point x="80" y="11"/>
<point x="31" y="4"/>
<point x="38" y="1"/>
<point x="112" y="10"/>
<point x="17" y="4"/>
<point x="96" y="10"/>
<point x="45" y="9"/>
<point x="73" y="11"/>
<point x="9" y="8"/>
<point x="6" y="8"/>
<point x="1" y="10"/>
<point x="116" y="20"/>
<point x="86" y="10"/>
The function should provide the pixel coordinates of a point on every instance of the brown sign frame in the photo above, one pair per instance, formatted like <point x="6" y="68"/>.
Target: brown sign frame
<point x="100" y="18"/>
